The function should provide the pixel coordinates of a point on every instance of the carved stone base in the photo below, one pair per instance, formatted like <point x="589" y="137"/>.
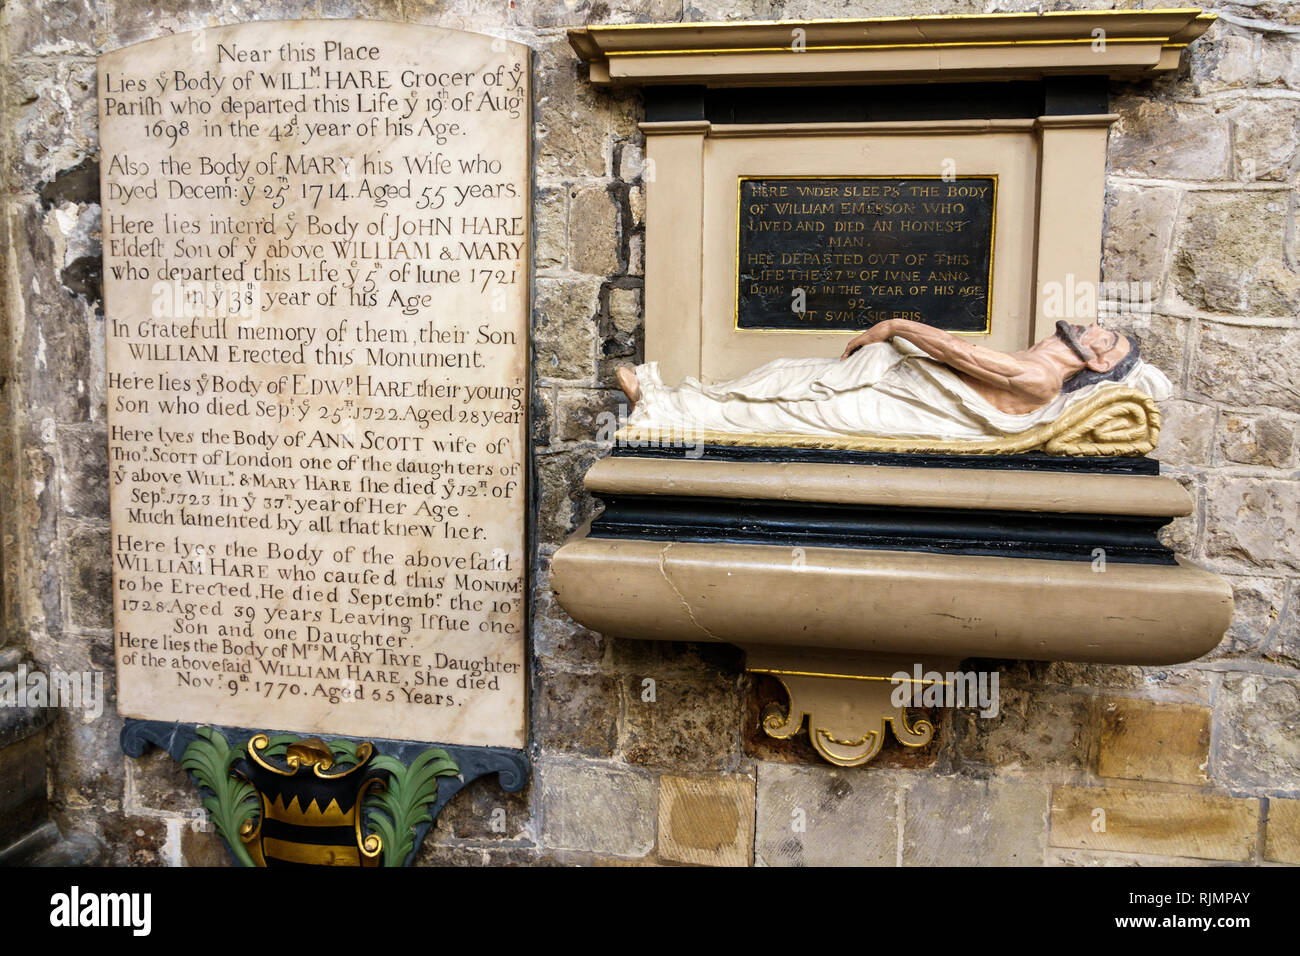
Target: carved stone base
<point x="835" y="570"/>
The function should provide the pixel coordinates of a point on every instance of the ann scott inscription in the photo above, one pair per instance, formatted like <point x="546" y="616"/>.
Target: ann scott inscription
<point x="838" y="255"/>
<point x="315" y="252"/>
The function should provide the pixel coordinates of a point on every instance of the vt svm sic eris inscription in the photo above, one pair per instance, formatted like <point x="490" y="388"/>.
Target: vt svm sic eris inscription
<point x="316" y="272"/>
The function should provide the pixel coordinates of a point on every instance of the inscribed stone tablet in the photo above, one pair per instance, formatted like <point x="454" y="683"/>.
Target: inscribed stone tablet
<point x="316" y="273"/>
<point x="839" y="255"/>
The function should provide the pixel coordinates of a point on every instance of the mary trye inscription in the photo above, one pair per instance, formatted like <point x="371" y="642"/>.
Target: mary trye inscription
<point x="315" y="264"/>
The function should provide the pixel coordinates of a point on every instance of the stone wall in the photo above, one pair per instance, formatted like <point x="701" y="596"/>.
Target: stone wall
<point x="648" y="753"/>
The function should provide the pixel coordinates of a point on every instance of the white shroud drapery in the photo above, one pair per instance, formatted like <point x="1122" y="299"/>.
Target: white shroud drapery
<point x="891" y="389"/>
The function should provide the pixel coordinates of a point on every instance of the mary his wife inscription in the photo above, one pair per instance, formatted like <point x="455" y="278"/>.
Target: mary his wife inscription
<point x="316" y="270"/>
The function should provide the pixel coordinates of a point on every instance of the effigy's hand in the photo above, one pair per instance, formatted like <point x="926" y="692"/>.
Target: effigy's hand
<point x="855" y="343"/>
<point x="877" y="333"/>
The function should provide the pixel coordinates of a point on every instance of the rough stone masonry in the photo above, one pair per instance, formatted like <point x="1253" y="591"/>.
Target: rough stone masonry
<point x="652" y="754"/>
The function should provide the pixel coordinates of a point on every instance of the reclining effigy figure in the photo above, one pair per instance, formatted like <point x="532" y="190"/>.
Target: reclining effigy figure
<point x="907" y="382"/>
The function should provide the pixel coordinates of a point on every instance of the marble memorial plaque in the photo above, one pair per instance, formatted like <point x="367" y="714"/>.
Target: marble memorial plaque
<point x="316" y="289"/>
<point x="840" y="254"/>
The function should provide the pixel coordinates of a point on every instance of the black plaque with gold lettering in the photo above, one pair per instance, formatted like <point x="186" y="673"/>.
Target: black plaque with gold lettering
<point x="840" y="254"/>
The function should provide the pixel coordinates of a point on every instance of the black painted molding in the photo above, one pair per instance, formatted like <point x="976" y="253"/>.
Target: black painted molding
<point x="1029" y="461"/>
<point x="1010" y="534"/>
<point x="1022" y="99"/>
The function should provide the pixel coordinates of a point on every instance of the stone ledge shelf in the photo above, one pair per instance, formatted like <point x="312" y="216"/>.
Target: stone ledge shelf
<point x="891" y="49"/>
<point x="895" y="602"/>
<point x="833" y="576"/>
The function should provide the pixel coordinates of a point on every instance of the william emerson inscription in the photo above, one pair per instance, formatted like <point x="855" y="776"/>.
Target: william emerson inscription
<point x="315" y="262"/>
<point x="837" y="255"/>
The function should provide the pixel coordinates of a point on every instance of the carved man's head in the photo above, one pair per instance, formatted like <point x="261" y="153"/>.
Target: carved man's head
<point x="1106" y="354"/>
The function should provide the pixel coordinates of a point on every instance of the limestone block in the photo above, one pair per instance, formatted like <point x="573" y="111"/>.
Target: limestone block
<point x="707" y="820"/>
<point x="994" y="822"/>
<point x="601" y="808"/>
<point x="1282" y="835"/>
<point x="1229" y="256"/>
<point x="821" y="816"/>
<point x="1257" y="732"/>
<point x="1154" y="740"/>
<point x="1160" y="140"/>
<point x="1199" y="825"/>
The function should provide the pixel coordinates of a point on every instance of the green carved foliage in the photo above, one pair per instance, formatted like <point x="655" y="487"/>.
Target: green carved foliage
<point x="230" y="802"/>
<point x="395" y="811"/>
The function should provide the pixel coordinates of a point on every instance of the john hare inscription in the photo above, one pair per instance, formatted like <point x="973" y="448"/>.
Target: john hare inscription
<point x="316" y="254"/>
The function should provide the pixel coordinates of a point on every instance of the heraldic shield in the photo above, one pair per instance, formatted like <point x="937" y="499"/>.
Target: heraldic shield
<point x="287" y="801"/>
<point x="311" y="808"/>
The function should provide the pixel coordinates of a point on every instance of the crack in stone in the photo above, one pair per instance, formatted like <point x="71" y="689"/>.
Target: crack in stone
<point x="663" y="571"/>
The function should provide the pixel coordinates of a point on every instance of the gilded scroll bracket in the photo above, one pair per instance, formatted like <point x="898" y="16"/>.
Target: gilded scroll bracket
<point x="844" y="739"/>
<point x="851" y="702"/>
